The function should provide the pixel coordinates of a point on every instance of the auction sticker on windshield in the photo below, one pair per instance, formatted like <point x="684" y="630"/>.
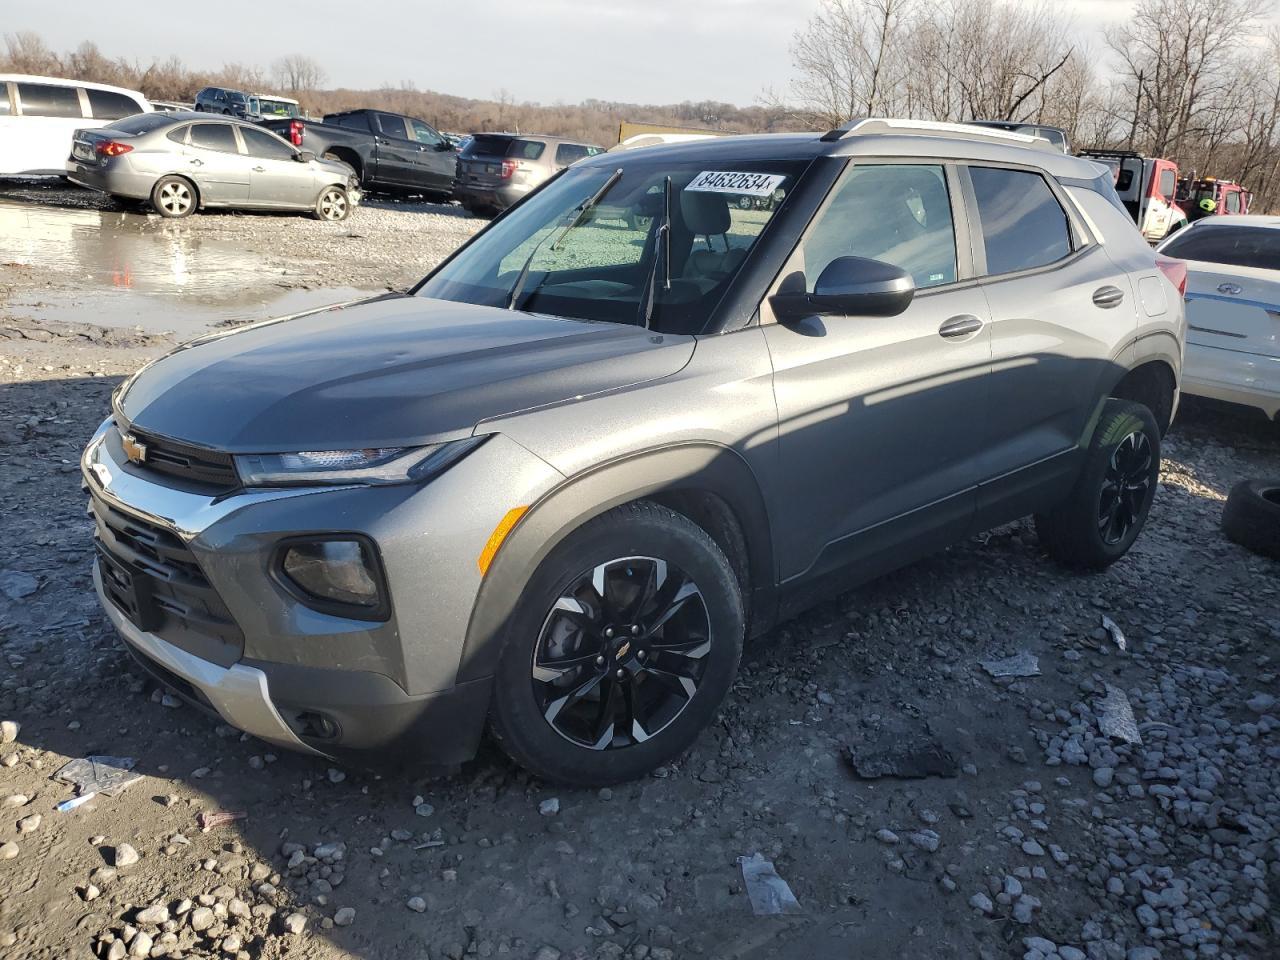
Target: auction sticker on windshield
<point x="724" y="181"/>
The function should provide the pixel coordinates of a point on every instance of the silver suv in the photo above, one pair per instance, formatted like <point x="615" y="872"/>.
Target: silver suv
<point x="497" y="170"/>
<point x="552" y="490"/>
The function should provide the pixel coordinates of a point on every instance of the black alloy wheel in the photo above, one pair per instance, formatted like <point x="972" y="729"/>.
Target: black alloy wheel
<point x="621" y="653"/>
<point x="1124" y="488"/>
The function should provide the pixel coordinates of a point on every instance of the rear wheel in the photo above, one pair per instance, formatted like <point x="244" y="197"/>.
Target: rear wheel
<point x="333" y="204"/>
<point x="623" y="645"/>
<point x="1098" y="523"/>
<point x="174" y="197"/>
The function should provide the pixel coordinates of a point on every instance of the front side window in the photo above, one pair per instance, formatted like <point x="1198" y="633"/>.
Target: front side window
<point x="1023" y="225"/>
<point x="1233" y="245"/>
<point x="107" y="105"/>
<point x="423" y="133"/>
<point x="1233" y="202"/>
<point x="49" y="100"/>
<point x="895" y="213"/>
<point x="555" y="254"/>
<point x="1168" y="183"/>
<point x="259" y="143"/>
<point x="214" y="136"/>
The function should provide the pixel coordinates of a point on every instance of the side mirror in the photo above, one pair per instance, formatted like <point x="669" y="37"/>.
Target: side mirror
<point x="304" y="156"/>
<point x="853" y="286"/>
<point x="444" y="145"/>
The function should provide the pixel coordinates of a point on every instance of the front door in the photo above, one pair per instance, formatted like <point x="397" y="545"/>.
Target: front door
<point x="276" y="178"/>
<point x="881" y="418"/>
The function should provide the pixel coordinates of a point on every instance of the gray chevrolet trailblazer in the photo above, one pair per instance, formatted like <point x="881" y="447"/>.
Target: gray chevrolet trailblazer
<point x="550" y="491"/>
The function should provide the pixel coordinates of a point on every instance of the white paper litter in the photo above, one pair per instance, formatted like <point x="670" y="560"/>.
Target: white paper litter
<point x="1115" y="716"/>
<point x="1117" y="635"/>
<point x="768" y="892"/>
<point x="1024" y="664"/>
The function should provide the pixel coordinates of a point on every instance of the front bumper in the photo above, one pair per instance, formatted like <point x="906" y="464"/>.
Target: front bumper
<point x="291" y="675"/>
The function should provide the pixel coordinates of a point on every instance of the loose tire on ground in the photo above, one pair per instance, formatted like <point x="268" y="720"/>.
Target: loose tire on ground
<point x="333" y="204"/>
<point x="559" y="621"/>
<point x="174" y="197"/>
<point x="1107" y="509"/>
<point x="1251" y="516"/>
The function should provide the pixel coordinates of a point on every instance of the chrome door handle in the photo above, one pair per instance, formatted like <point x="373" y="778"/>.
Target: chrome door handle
<point x="1108" y="297"/>
<point x="961" y="327"/>
<point x="259" y="169"/>
<point x="197" y="162"/>
<point x="1231" y="289"/>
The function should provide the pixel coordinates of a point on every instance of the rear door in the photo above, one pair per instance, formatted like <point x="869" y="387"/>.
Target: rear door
<point x="51" y="113"/>
<point x="214" y="161"/>
<point x="276" y="177"/>
<point x="1061" y="314"/>
<point x="397" y="154"/>
<point x="436" y="164"/>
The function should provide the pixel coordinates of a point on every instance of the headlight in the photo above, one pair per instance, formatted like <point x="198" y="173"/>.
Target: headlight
<point x="376" y="465"/>
<point x="339" y="575"/>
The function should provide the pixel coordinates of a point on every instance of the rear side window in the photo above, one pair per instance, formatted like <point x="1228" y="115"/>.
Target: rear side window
<point x="1237" y="246"/>
<point x="352" y="121"/>
<point x="214" y="136"/>
<point x="106" y="105"/>
<point x="1023" y="225"/>
<point x="4" y="100"/>
<point x="47" y="100"/>
<point x="392" y="126"/>
<point x="895" y="213"/>
<point x="259" y="143"/>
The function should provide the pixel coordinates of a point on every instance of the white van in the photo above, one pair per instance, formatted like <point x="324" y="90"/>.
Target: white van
<point x="38" y="115"/>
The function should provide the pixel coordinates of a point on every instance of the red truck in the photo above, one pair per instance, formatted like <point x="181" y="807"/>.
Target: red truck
<point x="1211" y="197"/>
<point x="1148" y="188"/>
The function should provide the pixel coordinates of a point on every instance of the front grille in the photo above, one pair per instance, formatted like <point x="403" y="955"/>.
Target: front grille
<point x="154" y="579"/>
<point x="197" y="464"/>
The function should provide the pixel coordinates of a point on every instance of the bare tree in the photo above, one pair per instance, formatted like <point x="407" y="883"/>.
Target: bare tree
<point x="28" y="53"/>
<point x="299" y="74"/>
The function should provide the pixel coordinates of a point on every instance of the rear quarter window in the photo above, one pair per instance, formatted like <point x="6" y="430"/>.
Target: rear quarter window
<point x="49" y="100"/>
<point x="107" y="105"/>
<point x="1023" y="225"/>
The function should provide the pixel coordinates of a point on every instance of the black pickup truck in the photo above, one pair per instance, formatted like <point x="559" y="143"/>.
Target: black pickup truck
<point x="388" y="151"/>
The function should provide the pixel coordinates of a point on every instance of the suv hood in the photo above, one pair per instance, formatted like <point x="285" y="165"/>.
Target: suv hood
<point x="389" y="372"/>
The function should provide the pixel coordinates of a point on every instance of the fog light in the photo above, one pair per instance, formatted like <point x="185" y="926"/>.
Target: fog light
<point x="335" y="573"/>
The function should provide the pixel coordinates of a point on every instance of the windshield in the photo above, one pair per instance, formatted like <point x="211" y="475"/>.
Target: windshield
<point x="609" y="262"/>
<point x="1237" y="246"/>
<point x="277" y="108"/>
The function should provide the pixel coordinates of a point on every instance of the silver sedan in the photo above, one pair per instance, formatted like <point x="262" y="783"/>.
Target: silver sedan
<point x="184" y="161"/>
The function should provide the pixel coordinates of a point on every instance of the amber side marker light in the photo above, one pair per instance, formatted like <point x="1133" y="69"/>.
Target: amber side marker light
<point x="500" y="532"/>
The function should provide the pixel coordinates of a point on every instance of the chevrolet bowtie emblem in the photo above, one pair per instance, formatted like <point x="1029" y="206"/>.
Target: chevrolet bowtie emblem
<point x="134" y="449"/>
<point x="622" y="650"/>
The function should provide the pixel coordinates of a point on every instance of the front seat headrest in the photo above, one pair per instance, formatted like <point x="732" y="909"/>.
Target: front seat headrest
<point x="705" y="214"/>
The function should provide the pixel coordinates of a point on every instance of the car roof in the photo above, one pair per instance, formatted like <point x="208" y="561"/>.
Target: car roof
<point x="275" y="96"/>
<point x="66" y="82"/>
<point x="187" y="116"/>
<point x="879" y="138"/>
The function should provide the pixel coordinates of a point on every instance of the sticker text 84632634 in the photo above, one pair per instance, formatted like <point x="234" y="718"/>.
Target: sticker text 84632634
<point x="726" y="181"/>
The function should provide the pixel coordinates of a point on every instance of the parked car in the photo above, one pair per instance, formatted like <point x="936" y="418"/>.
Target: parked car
<point x="387" y="151"/>
<point x="497" y="169"/>
<point x="1055" y="135"/>
<point x="39" y="114"/>
<point x="182" y="162"/>
<point x="1204" y="197"/>
<point x="1233" y="309"/>
<point x="1148" y="187"/>
<point x="227" y="102"/>
<point x="554" y="487"/>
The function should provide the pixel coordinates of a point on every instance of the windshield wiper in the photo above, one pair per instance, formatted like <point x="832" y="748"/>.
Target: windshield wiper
<point x="518" y="287"/>
<point x="648" y="295"/>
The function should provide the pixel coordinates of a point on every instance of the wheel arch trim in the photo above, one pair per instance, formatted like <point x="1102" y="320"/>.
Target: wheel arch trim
<point x="697" y="467"/>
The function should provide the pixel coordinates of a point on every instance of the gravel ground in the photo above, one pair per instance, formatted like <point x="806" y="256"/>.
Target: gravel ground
<point x="1036" y="836"/>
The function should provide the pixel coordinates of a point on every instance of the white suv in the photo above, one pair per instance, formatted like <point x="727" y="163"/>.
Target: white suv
<point x="38" y="115"/>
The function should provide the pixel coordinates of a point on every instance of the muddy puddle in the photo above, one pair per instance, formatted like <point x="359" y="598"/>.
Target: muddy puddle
<point x="143" y="272"/>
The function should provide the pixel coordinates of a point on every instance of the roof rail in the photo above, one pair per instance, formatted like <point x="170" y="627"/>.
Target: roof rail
<point x="933" y="128"/>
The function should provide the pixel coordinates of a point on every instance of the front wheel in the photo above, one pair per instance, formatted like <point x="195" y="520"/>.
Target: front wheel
<point x="333" y="204"/>
<point x="1098" y="523"/>
<point x="173" y="197"/>
<point x="622" y="647"/>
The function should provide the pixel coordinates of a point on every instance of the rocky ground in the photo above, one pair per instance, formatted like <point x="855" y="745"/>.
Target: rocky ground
<point x="1036" y="836"/>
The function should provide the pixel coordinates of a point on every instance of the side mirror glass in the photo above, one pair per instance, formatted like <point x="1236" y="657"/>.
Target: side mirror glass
<point x="852" y="286"/>
<point x="304" y="156"/>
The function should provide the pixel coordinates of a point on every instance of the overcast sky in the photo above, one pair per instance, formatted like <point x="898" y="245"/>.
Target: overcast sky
<point x="638" y="51"/>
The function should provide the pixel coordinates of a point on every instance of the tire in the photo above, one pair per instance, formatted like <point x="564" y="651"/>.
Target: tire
<point x="675" y="637"/>
<point x="1251" y="516"/>
<point x="1108" y="507"/>
<point x="174" y="197"/>
<point x="333" y="204"/>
